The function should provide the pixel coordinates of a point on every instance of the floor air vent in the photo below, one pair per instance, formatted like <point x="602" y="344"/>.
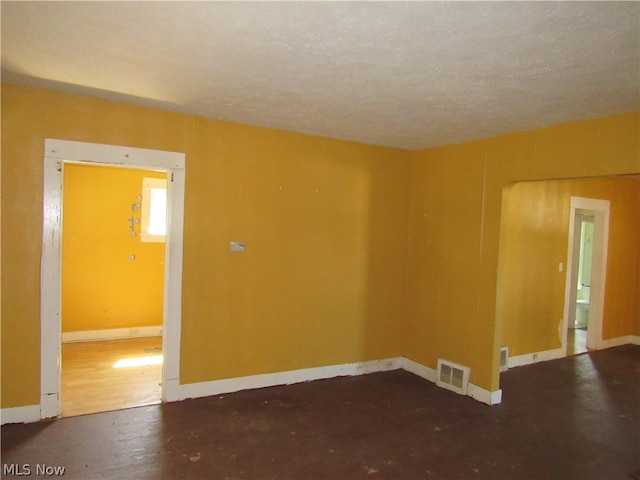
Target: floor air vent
<point x="452" y="376"/>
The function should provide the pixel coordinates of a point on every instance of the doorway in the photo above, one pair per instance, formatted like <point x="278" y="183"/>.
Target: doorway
<point x="583" y="257"/>
<point x="112" y="287"/>
<point x="57" y="154"/>
<point x="586" y="274"/>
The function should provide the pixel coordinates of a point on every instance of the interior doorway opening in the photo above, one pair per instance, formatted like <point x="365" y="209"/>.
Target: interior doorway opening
<point x="583" y="248"/>
<point x="112" y="288"/>
<point x="537" y="273"/>
<point x="586" y="275"/>
<point x="57" y="154"/>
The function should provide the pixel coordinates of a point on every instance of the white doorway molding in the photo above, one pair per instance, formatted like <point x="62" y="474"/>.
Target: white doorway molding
<point x="57" y="152"/>
<point x="599" y="209"/>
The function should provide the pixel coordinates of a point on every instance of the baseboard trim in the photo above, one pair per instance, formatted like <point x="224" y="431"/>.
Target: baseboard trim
<point x="485" y="396"/>
<point x="230" y="385"/>
<point x="111" y="334"/>
<point x="420" y="370"/>
<point x="218" y="387"/>
<point x="477" y="393"/>
<point x="535" y="357"/>
<point x="619" y="341"/>
<point x="26" y="414"/>
<point x="174" y="391"/>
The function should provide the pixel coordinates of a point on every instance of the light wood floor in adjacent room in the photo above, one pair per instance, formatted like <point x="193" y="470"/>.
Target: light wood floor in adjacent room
<point x="93" y="381"/>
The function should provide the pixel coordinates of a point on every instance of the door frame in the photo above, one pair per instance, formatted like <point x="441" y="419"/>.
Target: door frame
<point x="599" y="209"/>
<point x="57" y="153"/>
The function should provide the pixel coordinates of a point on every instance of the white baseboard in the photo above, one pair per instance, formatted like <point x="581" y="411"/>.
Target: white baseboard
<point x="217" y="387"/>
<point x="485" y="396"/>
<point x="477" y="393"/>
<point x="26" y="414"/>
<point x="174" y="391"/>
<point x="111" y="334"/>
<point x="420" y="370"/>
<point x="535" y="357"/>
<point x="619" y="341"/>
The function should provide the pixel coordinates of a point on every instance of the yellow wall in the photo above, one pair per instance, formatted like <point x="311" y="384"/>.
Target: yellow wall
<point x="454" y="229"/>
<point x="101" y="287"/>
<point x="530" y="301"/>
<point x="328" y="275"/>
<point x="324" y="222"/>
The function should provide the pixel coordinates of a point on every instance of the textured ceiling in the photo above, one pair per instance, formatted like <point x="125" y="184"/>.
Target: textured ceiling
<point x="402" y="74"/>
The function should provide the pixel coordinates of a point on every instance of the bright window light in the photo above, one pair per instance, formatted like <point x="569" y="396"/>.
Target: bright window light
<point x="138" y="361"/>
<point x="154" y="210"/>
<point x="158" y="212"/>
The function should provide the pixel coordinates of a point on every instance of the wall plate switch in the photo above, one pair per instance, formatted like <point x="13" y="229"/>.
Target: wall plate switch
<point x="236" y="246"/>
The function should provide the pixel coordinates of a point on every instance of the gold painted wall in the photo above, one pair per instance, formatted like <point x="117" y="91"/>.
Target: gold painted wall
<point x="328" y="275"/>
<point x="101" y="287"/>
<point x="454" y="229"/>
<point x="324" y="222"/>
<point x="530" y="301"/>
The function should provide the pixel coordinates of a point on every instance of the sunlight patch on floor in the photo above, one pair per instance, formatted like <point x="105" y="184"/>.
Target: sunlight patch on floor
<point x="138" y="361"/>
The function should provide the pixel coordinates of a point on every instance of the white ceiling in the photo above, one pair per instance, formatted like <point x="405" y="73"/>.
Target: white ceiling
<point x="402" y="74"/>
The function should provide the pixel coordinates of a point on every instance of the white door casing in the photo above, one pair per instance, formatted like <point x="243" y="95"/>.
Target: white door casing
<point x="57" y="152"/>
<point x="600" y="211"/>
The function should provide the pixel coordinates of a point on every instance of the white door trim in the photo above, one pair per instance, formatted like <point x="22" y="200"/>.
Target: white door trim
<point x="57" y="152"/>
<point x="600" y="211"/>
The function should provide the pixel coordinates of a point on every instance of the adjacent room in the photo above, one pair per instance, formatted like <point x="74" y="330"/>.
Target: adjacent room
<point x="320" y="239"/>
<point x="112" y="288"/>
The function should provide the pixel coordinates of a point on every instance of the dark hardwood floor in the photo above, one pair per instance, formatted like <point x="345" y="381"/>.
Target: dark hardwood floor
<point x="573" y="418"/>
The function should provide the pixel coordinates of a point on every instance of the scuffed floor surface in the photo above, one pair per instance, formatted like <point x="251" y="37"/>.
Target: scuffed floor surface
<point x="575" y="418"/>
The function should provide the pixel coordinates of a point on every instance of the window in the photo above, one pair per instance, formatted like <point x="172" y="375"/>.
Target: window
<point x="154" y="209"/>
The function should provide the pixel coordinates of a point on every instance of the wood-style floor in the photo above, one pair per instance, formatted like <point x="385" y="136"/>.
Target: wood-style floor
<point x="576" y="341"/>
<point x="110" y="375"/>
<point x="572" y="418"/>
